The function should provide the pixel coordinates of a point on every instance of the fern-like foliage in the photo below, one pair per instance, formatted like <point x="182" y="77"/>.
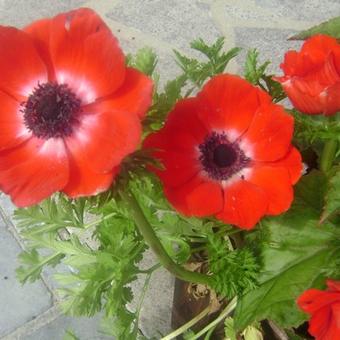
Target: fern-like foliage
<point x="234" y="271"/>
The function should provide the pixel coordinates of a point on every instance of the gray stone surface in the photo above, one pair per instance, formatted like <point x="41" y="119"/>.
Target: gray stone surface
<point x="157" y="301"/>
<point x="299" y="9"/>
<point x="175" y="21"/>
<point x="22" y="12"/>
<point x="271" y="44"/>
<point x="19" y="304"/>
<point x="83" y="328"/>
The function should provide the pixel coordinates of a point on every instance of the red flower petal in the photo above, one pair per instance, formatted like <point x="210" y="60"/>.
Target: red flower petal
<point x="303" y="101"/>
<point x="230" y="104"/>
<point x="316" y="81"/>
<point x="269" y="135"/>
<point x="134" y="96"/>
<point x="333" y="285"/>
<point x="294" y="64"/>
<point x="176" y="151"/>
<point x="332" y="99"/>
<point x="311" y="74"/>
<point x="333" y="331"/>
<point x="21" y="65"/>
<point x="191" y="197"/>
<point x="178" y="141"/>
<point x="176" y="144"/>
<point x="104" y="139"/>
<point x="317" y="47"/>
<point x="185" y="118"/>
<point x="244" y="204"/>
<point x="83" y="51"/>
<point x="83" y="181"/>
<point x="184" y="166"/>
<point x="292" y="162"/>
<point x="313" y="54"/>
<point x="276" y="183"/>
<point x="39" y="31"/>
<point x="316" y="92"/>
<point x="319" y="324"/>
<point x="33" y="171"/>
<point x="312" y="300"/>
<point x="13" y="130"/>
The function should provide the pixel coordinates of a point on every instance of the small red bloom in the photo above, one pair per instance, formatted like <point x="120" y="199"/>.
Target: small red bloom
<point x="312" y="76"/>
<point x="228" y="153"/>
<point x="70" y="108"/>
<point x="324" y="308"/>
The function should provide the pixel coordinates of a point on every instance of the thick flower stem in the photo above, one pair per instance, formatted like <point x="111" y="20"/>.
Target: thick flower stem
<point x="227" y="310"/>
<point x="328" y="154"/>
<point x="154" y="243"/>
<point x="188" y="325"/>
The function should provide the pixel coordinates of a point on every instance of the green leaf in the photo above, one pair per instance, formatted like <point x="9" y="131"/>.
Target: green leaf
<point x="100" y="275"/>
<point x="145" y="60"/>
<point x="309" y="129"/>
<point x="296" y="252"/>
<point x="198" y="71"/>
<point x="234" y="272"/>
<point x="163" y="103"/>
<point x="332" y="199"/>
<point x="311" y="191"/>
<point x="256" y="74"/>
<point x="253" y="72"/>
<point x="53" y="214"/>
<point x="330" y="27"/>
<point x="229" y="330"/>
<point x="70" y="335"/>
<point x="189" y="334"/>
<point x="33" y="264"/>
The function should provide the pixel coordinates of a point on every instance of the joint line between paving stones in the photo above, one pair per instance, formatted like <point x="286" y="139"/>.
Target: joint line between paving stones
<point x="13" y="231"/>
<point x="31" y="326"/>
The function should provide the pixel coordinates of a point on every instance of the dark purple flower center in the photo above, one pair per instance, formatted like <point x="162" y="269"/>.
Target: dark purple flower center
<point x="51" y="111"/>
<point x="220" y="158"/>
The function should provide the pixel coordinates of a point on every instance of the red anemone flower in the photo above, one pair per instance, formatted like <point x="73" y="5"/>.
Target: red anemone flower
<point x="312" y="76"/>
<point x="70" y="109"/>
<point x="228" y="153"/>
<point x="324" y="308"/>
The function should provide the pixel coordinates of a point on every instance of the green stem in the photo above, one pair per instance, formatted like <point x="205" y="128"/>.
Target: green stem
<point x="328" y="153"/>
<point x="141" y="299"/>
<point x="95" y="222"/>
<point x="188" y="325"/>
<point x="150" y="270"/>
<point x="154" y="243"/>
<point x="230" y="307"/>
<point x="208" y="335"/>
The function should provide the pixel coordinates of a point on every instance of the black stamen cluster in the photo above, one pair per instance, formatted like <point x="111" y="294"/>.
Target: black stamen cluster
<point x="51" y="111"/>
<point x="220" y="158"/>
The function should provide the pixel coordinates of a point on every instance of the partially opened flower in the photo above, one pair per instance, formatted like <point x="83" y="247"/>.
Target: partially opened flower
<point x="70" y="110"/>
<point x="228" y="153"/>
<point x="324" y="308"/>
<point x="312" y="76"/>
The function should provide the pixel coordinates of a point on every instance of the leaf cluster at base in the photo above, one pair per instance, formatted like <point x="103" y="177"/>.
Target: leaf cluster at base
<point x="297" y="253"/>
<point x="234" y="271"/>
<point x="100" y="256"/>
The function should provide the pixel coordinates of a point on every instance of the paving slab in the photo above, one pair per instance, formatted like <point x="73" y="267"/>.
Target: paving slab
<point x="83" y="328"/>
<point x="311" y="10"/>
<point x="177" y="22"/>
<point x="155" y="316"/>
<point x="271" y="44"/>
<point x="22" y="12"/>
<point x="19" y="304"/>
